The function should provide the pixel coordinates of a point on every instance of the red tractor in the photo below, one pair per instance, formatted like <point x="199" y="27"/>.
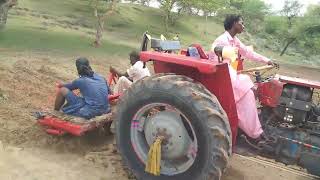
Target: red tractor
<point x="190" y="104"/>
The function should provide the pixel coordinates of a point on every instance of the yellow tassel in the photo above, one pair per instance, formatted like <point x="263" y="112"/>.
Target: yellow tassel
<point x="154" y="158"/>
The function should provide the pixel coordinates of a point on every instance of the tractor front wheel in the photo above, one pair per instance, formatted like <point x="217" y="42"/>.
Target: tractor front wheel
<point x="196" y="131"/>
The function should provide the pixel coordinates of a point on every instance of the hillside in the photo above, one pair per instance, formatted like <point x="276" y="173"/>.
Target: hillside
<point x="67" y="28"/>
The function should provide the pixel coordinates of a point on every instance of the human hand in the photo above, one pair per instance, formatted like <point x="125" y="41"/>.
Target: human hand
<point x="59" y="84"/>
<point x="272" y="63"/>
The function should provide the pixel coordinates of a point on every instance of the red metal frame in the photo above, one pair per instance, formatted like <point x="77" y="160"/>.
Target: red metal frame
<point x="59" y="127"/>
<point x="56" y="132"/>
<point x="203" y="66"/>
<point x="214" y="76"/>
<point x="270" y="92"/>
<point x="112" y="78"/>
<point x="300" y="82"/>
<point x="201" y="52"/>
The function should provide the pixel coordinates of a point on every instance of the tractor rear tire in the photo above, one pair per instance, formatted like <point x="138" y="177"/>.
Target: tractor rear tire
<point x="208" y="119"/>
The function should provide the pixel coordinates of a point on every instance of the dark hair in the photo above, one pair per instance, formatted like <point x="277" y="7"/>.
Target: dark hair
<point x="83" y="67"/>
<point x="134" y="55"/>
<point x="230" y="20"/>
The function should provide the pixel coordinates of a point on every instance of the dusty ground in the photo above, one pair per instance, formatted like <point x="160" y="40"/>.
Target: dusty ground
<point x="26" y="152"/>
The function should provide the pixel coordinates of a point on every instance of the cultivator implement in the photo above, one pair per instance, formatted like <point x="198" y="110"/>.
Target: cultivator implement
<point x="57" y="123"/>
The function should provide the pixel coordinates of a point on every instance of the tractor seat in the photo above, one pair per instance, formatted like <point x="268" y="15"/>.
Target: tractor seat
<point x="196" y="50"/>
<point x="165" y="45"/>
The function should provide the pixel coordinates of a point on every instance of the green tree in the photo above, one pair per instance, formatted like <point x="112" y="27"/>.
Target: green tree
<point x="313" y="11"/>
<point x="142" y="2"/>
<point x="167" y="6"/>
<point x="210" y="7"/>
<point x="5" y="5"/>
<point x="309" y="33"/>
<point x="290" y="10"/>
<point x="237" y="4"/>
<point x="102" y="10"/>
<point x="274" y="25"/>
<point x="187" y="6"/>
<point x="254" y="12"/>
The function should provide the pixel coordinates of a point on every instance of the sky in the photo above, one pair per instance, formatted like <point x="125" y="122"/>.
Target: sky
<point x="278" y="4"/>
<point x="275" y="4"/>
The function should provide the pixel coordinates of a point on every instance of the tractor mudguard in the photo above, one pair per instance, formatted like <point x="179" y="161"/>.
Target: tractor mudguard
<point x="214" y="76"/>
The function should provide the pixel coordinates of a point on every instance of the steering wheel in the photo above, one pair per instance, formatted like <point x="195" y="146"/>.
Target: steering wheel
<point x="252" y="71"/>
<point x="261" y="68"/>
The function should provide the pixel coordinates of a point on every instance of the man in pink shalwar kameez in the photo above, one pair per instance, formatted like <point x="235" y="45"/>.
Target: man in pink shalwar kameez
<point x="242" y="84"/>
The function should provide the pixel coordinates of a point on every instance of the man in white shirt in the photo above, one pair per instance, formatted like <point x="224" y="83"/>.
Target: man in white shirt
<point x="137" y="71"/>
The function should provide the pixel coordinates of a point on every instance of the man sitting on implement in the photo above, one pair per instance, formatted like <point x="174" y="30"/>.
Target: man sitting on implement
<point x="94" y="93"/>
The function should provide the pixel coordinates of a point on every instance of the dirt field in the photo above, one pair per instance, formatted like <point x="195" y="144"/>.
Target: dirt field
<point x="27" y="152"/>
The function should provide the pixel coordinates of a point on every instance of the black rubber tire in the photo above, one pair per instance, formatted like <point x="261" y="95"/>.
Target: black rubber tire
<point x="207" y="117"/>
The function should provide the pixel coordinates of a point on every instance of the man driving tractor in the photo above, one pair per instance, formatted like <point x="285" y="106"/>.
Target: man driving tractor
<point x="94" y="91"/>
<point x="137" y="71"/>
<point x="242" y="84"/>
